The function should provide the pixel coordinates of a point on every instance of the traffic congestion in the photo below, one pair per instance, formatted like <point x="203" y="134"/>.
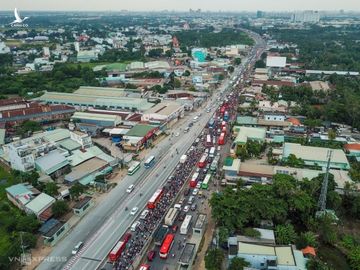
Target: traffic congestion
<point x="197" y="167"/>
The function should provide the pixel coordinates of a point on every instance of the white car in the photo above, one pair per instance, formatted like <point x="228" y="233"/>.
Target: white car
<point x="186" y="208"/>
<point x="177" y="134"/>
<point x="77" y="248"/>
<point x="195" y="191"/>
<point x="130" y="188"/>
<point x="134" y="211"/>
<point x="198" y="185"/>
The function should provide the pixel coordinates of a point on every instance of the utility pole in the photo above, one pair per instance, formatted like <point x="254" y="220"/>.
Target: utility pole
<point x="324" y="187"/>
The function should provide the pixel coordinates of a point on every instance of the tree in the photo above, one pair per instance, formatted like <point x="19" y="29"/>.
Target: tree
<point x="238" y="264"/>
<point x="51" y="189"/>
<point x="187" y="73"/>
<point x="260" y="64"/>
<point x="230" y="69"/>
<point x="192" y="89"/>
<point x="326" y="229"/>
<point x="251" y="232"/>
<point x="331" y="134"/>
<point x="177" y="83"/>
<point x="223" y="235"/>
<point x="214" y="259"/>
<point x="316" y="264"/>
<point x="306" y="239"/>
<point x="354" y="258"/>
<point x="285" y="234"/>
<point x="76" y="190"/>
<point x="237" y="61"/>
<point x="59" y="208"/>
<point x="27" y="223"/>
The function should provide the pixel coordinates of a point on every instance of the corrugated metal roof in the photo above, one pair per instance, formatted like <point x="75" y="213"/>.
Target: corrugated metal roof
<point x="51" y="162"/>
<point x="40" y="202"/>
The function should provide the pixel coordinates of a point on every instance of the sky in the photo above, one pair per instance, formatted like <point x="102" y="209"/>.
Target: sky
<point x="181" y="5"/>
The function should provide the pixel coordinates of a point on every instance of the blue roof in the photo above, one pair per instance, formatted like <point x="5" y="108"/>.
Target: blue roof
<point x="18" y="189"/>
<point x="48" y="225"/>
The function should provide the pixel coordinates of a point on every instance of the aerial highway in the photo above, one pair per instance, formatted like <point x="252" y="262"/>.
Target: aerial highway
<point x="101" y="228"/>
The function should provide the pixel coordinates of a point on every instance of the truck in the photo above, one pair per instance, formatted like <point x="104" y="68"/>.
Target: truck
<point x="160" y="234"/>
<point x="183" y="159"/>
<point x="171" y="216"/>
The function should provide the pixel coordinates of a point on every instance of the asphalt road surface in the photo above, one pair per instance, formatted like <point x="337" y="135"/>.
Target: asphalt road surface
<point x="103" y="226"/>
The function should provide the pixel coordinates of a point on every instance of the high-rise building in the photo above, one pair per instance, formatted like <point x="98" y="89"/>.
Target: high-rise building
<point x="307" y="16"/>
<point x="259" y="14"/>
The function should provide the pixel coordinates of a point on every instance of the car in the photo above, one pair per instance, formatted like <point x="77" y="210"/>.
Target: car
<point x="198" y="170"/>
<point x="186" y="208"/>
<point x="190" y="125"/>
<point x="77" y="248"/>
<point x="195" y="118"/>
<point x="177" y="206"/>
<point x="134" y="226"/>
<point x="151" y="255"/>
<point x="193" y="207"/>
<point x="134" y="210"/>
<point x="186" y="129"/>
<point x="191" y="200"/>
<point x="198" y="185"/>
<point x="200" y="194"/>
<point x="181" y="201"/>
<point x="130" y="188"/>
<point x="177" y="134"/>
<point x="195" y="191"/>
<point x="205" y="170"/>
<point x="187" y="192"/>
<point x="144" y="214"/>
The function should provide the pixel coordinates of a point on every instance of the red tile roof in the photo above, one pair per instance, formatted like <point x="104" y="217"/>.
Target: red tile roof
<point x="35" y="110"/>
<point x="309" y="251"/>
<point x="352" y="146"/>
<point x="294" y="121"/>
<point x="9" y="101"/>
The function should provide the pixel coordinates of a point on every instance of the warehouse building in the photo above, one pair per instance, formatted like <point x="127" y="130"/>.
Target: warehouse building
<point x="84" y="101"/>
<point x="317" y="156"/>
<point x="96" y="119"/>
<point x="164" y="112"/>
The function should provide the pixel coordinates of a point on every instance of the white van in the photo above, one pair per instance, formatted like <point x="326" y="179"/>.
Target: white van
<point x="134" y="226"/>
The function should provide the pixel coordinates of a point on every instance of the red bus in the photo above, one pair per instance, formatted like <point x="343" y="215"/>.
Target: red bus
<point x="222" y="110"/>
<point x="208" y="140"/>
<point x="221" y="140"/>
<point x="166" y="246"/>
<point x="202" y="161"/>
<point x="116" y="251"/>
<point x="194" y="180"/>
<point x="155" y="198"/>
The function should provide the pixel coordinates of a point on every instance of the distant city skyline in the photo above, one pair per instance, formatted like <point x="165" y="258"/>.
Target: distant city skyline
<point x="179" y="5"/>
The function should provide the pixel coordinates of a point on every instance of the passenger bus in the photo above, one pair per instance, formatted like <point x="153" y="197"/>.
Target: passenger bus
<point x="185" y="226"/>
<point x="221" y="140"/>
<point x="166" y="246"/>
<point x="214" y="164"/>
<point x="171" y="216"/>
<point x="116" y="251"/>
<point x="202" y="161"/>
<point x="155" y="198"/>
<point x="134" y="167"/>
<point x="205" y="183"/>
<point x="149" y="162"/>
<point x="194" y="180"/>
<point x="212" y="152"/>
<point x="208" y="140"/>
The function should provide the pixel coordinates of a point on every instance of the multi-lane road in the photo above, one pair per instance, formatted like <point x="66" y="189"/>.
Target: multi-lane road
<point x="101" y="228"/>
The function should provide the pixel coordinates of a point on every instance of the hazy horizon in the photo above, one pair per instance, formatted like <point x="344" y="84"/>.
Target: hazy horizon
<point x="179" y="5"/>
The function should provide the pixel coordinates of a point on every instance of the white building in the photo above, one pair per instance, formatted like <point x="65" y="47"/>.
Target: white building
<point x="274" y="117"/>
<point x="81" y="138"/>
<point x="168" y="112"/>
<point x="276" y="61"/>
<point x="307" y="16"/>
<point x="271" y="257"/>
